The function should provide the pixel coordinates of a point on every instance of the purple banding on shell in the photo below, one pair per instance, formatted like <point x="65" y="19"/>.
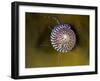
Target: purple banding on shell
<point x="63" y="38"/>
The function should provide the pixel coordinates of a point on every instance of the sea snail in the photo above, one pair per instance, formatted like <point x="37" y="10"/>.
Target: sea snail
<point x="63" y="38"/>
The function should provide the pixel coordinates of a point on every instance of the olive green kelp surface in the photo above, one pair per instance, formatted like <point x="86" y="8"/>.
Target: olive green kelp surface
<point x="38" y="49"/>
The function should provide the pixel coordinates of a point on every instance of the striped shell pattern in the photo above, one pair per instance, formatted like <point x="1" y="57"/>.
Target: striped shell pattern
<point x="63" y="38"/>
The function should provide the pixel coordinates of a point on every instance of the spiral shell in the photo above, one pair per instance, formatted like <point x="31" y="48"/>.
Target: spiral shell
<point x="63" y="38"/>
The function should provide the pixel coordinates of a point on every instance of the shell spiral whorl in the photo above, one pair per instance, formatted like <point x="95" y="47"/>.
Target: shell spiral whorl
<point x="63" y="38"/>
